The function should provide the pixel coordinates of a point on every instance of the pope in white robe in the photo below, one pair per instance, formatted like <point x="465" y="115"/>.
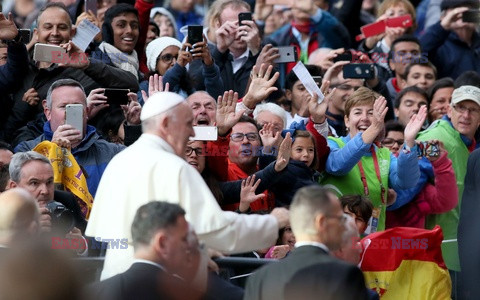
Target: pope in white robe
<point x="150" y="170"/>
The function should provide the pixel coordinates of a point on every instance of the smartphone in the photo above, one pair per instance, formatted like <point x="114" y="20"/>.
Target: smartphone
<point x="287" y="54"/>
<point x="24" y="35"/>
<point x="74" y="116"/>
<point x="471" y="16"/>
<point x="91" y="5"/>
<point x="195" y="34"/>
<point x="373" y="29"/>
<point x="117" y="96"/>
<point x="404" y="21"/>
<point x="48" y="53"/>
<point x="347" y="56"/>
<point x="205" y="133"/>
<point x="244" y="16"/>
<point x="361" y="71"/>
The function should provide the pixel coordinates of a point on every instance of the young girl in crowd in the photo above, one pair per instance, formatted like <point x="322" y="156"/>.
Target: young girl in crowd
<point x="356" y="165"/>
<point x="285" y="243"/>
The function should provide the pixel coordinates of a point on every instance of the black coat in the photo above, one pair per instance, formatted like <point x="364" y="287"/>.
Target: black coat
<point x="270" y="281"/>
<point x="469" y="228"/>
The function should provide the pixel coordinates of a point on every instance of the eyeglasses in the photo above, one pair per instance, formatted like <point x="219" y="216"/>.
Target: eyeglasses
<point x="167" y="58"/>
<point x="388" y="142"/>
<point x="462" y="109"/>
<point x="239" y="136"/>
<point x="189" y="150"/>
<point x="342" y="218"/>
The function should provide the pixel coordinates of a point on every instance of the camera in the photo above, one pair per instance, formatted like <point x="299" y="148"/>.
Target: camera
<point x="62" y="217"/>
<point x="427" y="149"/>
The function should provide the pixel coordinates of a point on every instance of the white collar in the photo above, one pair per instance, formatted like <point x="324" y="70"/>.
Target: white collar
<point x="243" y="55"/>
<point x="159" y="141"/>
<point x="311" y="243"/>
<point x="149" y="262"/>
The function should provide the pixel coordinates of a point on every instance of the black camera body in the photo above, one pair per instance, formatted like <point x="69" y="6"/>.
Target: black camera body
<point x="62" y="217"/>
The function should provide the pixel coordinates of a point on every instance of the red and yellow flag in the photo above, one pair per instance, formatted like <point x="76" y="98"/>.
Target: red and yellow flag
<point x="406" y="263"/>
<point x="67" y="171"/>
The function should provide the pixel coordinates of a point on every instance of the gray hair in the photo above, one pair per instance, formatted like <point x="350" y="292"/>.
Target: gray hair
<point x="151" y="217"/>
<point x="307" y="203"/>
<point x="151" y="123"/>
<point x="274" y="109"/>
<point x="20" y="159"/>
<point x="60" y="83"/>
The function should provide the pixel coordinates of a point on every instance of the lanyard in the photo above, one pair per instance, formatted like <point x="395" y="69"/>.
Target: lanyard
<point x="377" y="171"/>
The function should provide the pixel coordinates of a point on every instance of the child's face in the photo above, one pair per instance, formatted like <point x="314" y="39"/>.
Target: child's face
<point x="359" y="221"/>
<point x="303" y="150"/>
<point x="288" y="238"/>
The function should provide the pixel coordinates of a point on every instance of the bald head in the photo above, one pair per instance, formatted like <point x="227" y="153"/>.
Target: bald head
<point x="18" y="216"/>
<point x="204" y="108"/>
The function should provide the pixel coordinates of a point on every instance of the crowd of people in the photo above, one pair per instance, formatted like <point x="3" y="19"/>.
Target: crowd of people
<point x="182" y="150"/>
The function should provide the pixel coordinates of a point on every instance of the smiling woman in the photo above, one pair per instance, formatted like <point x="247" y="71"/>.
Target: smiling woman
<point x="120" y="32"/>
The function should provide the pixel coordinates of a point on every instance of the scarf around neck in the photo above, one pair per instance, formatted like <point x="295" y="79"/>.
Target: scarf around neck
<point x="121" y="60"/>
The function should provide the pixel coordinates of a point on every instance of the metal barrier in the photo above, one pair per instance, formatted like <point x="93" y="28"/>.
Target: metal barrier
<point x="91" y="267"/>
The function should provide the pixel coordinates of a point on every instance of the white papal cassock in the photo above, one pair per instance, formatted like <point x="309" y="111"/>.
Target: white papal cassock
<point x="149" y="170"/>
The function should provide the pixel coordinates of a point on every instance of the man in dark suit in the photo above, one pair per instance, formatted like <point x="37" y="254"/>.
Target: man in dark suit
<point x="163" y="245"/>
<point x="318" y="223"/>
<point x="469" y="229"/>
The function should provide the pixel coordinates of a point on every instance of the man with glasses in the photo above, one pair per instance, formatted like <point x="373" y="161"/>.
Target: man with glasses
<point x="318" y="222"/>
<point x="457" y="132"/>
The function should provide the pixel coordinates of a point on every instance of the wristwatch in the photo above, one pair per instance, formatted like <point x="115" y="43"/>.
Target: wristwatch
<point x="16" y="40"/>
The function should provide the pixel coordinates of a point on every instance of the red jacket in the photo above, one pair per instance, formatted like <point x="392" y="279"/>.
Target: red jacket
<point x="144" y="19"/>
<point x="432" y="199"/>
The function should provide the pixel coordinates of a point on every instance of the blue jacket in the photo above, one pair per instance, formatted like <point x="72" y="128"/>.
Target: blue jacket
<point x="93" y="154"/>
<point x="448" y="53"/>
<point x="405" y="196"/>
<point x="342" y="160"/>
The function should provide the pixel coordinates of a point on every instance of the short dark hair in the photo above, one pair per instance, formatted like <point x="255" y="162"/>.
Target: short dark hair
<point x="54" y="4"/>
<point x="60" y="83"/>
<point x="6" y="146"/>
<point x="4" y="177"/>
<point x="445" y="82"/>
<point x="427" y="64"/>
<point x="403" y="38"/>
<point x="152" y="217"/>
<point x="292" y="77"/>
<point x="359" y="205"/>
<point x="393" y="125"/>
<point x="410" y="89"/>
<point x="247" y="119"/>
<point x="467" y="78"/>
<point x="112" y="12"/>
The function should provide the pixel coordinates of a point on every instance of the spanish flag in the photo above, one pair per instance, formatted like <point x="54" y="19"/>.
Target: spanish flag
<point x="406" y="263"/>
<point x="67" y="172"/>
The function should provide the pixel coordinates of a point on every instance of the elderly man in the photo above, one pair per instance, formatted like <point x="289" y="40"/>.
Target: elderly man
<point x="155" y="170"/>
<point x="19" y="217"/>
<point x="318" y="223"/>
<point x="161" y="239"/>
<point x="204" y="108"/>
<point x="456" y="131"/>
<point x="54" y="27"/>
<point x="91" y="152"/>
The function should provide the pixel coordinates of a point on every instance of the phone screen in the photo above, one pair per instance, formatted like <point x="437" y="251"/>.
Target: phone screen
<point x="195" y="34"/>
<point x="117" y="96"/>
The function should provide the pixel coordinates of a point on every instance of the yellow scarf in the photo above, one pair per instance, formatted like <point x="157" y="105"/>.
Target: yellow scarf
<point x="67" y="171"/>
